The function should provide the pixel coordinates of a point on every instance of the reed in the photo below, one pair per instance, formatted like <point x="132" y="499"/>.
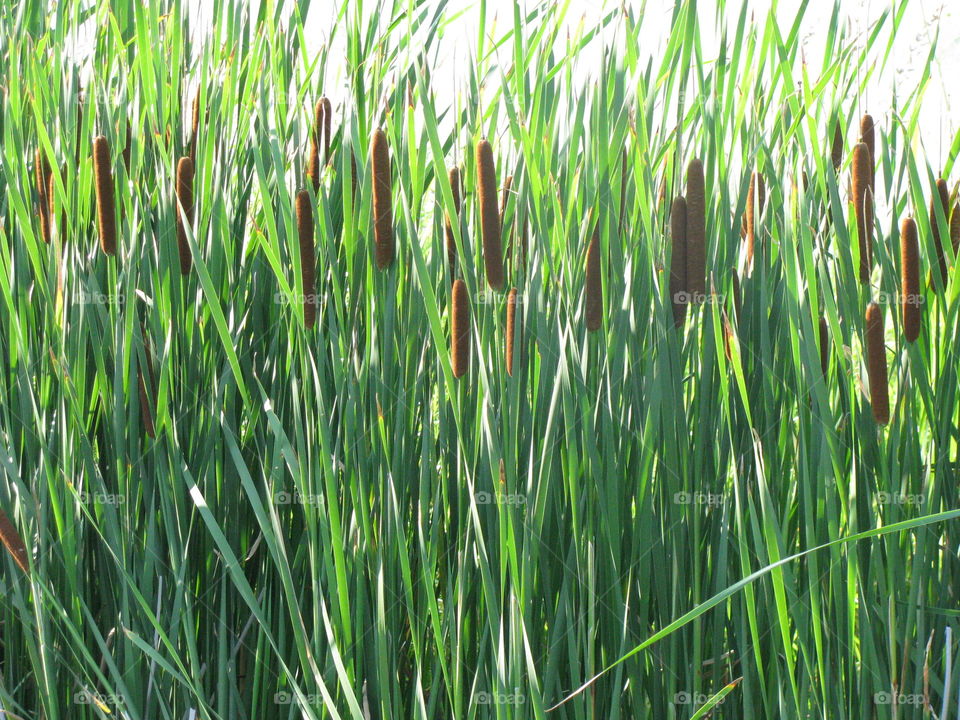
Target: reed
<point x="460" y="329"/>
<point x="863" y="207"/>
<point x="593" y="286"/>
<point x="13" y="543"/>
<point x="103" y="177"/>
<point x="877" y="365"/>
<point x="513" y="329"/>
<point x="307" y="260"/>
<point x="941" y="195"/>
<point x="910" y="279"/>
<point x="678" y="260"/>
<point x="382" y="200"/>
<point x="489" y="215"/>
<point x="696" y="232"/>
<point x="451" y="241"/>
<point x="184" y="215"/>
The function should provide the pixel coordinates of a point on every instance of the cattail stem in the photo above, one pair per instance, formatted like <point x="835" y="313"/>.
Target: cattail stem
<point x="678" y="260"/>
<point x="941" y="195"/>
<point x="455" y="188"/>
<point x="696" y="232"/>
<point x="382" y="200"/>
<point x="184" y="217"/>
<point x="460" y="330"/>
<point x="877" y="365"/>
<point x="513" y="328"/>
<point x="307" y="260"/>
<point x="106" y="215"/>
<point x="13" y="543"/>
<point x="489" y="215"/>
<point x="593" y="286"/>
<point x="863" y="207"/>
<point x="910" y="279"/>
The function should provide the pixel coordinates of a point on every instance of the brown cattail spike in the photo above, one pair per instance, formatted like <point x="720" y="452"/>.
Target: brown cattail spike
<point x="106" y="216"/>
<point x="455" y="188"/>
<point x="863" y="207"/>
<point x="512" y="328"/>
<point x="593" y="287"/>
<point x="678" y="260"/>
<point x="824" y="346"/>
<point x="877" y="365"/>
<point x="910" y="279"/>
<point x="756" y="197"/>
<point x="955" y="229"/>
<point x="867" y="138"/>
<point x="941" y="195"/>
<point x="382" y="200"/>
<point x="307" y="261"/>
<point x="13" y="543"/>
<point x="313" y="161"/>
<point x="489" y="215"/>
<point x="460" y="330"/>
<point x="184" y="216"/>
<point x="836" y="151"/>
<point x="327" y="124"/>
<point x="696" y="232"/>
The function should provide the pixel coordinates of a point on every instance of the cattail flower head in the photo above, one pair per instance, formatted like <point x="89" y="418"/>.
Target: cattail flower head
<point x="756" y="197"/>
<point x="456" y="185"/>
<point x="382" y="200"/>
<point x="460" y="329"/>
<point x="184" y="216"/>
<point x="307" y="261"/>
<point x="106" y="215"/>
<point x="593" y="287"/>
<point x="877" y="365"/>
<point x="13" y="543"/>
<point x="941" y="196"/>
<point x="489" y="215"/>
<point x="513" y="328"/>
<point x="678" y="260"/>
<point x="910" y="279"/>
<point x="863" y="206"/>
<point x="868" y="139"/>
<point x="696" y="232"/>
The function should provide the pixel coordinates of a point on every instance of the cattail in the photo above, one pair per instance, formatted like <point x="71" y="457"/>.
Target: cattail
<point x="455" y="187"/>
<point x="13" y="542"/>
<point x="327" y="123"/>
<point x="489" y="215"/>
<point x="511" y="324"/>
<point x="836" y="153"/>
<point x="867" y="138"/>
<point x="504" y="197"/>
<point x="593" y="287"/>
<point x="824" y="345"/>
<point x="184" y="218"/>
<point x="307" y="262"/>
<point x="955" y="228"/>
<point x="43" y="174"/>
<point x="678" y="260"/>
<point x="756" y="197"/>
<point x="877" y="365"/>
<point x="910" y="279"/>
<point x="382" y="201"/>
<point x="863" y="206"/>
<point x="696" y="232"/>
<point x="313" y="164"/>
<point x="941" y="195"/>
<point x="460" y="330"/>
<point x="195" y="127"/>
<point x="105" y="209"/>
